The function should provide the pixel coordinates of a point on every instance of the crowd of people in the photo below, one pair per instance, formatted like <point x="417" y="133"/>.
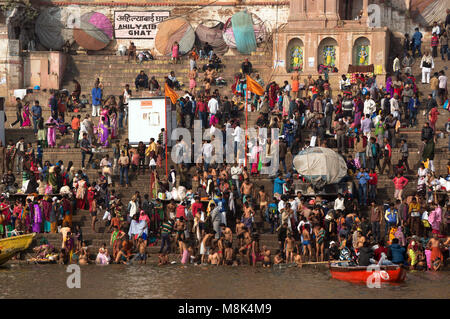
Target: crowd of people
<point x="214" y="213"/>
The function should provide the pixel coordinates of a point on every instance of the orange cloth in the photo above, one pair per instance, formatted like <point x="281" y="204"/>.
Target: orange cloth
<point x="170" y="93"/>
<point x="254" y="86"/>
<point x="436" y="253"/>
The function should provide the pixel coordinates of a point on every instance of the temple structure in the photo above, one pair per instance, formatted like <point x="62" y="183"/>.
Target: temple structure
<point x="316" y="39"/>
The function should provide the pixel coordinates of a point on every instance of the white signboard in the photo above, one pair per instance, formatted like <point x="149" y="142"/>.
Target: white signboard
<point x="137" y="24"/>
<point x="311" y="62"/>
<point x="146" y="118"/>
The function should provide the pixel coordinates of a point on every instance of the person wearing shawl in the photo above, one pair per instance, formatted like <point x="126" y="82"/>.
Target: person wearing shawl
<point x="46" y="210"/>
<point x="37" y="218"/>
<point x="67" y="209"/>
<point x="103" y="133"/>
<point x="435" y="218"/>
<point x="400" y="236"/>
<point x="51" y="132"/>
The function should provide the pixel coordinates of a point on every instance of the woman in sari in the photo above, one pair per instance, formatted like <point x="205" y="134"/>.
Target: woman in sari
<point x="175" y="52"/>
<point x="286" y="103"/>
<point x="81" y="193"/>
<point x="273" y="88"/>
<point x="26" y="115"/>
<point x="103" y="133"/>
<point x="51" y="132"/>
<point x="37" y="218"/>
<point x="254" y="159"/>
<point x="113" y="124"/>
<point x="46" y="210"/>
<point x="61" y="125"/>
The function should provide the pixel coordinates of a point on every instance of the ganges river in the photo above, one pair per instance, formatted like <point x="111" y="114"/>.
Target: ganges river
<point x="175" y="281"/>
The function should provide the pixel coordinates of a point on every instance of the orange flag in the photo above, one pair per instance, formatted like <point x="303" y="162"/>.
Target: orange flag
<point x="254" y="86"/>
<point x="170" y="93"/>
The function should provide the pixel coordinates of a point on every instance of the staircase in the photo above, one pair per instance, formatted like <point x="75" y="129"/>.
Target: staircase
<point x="114" y="72"/>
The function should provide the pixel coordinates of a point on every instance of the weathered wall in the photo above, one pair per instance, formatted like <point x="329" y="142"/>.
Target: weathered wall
<point x="268" y="11"/>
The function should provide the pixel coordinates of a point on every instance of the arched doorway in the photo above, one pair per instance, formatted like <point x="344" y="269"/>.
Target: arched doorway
<point x="327" y="52"/>
<point x="361" y="51"/>
<point x="294" y="55"/>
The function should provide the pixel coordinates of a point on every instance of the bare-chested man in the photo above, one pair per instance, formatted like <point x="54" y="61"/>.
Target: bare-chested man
<point x="436" y="253"/>
<point x="205" y="245"/>
<point x="226" y="231"/>
<point x="306" y="242"/>
<point x="240" y="231"/>
<point x="298" y="260"/>
<point x="246" y="246"/>
<point x="267" y="261"/>
<point x="180" y="226"/>
<point x="289" y="245"/>
<point x="263" y="200"/>
<point x="278" y="259"/>
<point x="229" y="254"/>
<point x="247" y="188"/>
<point x="214" y="258"/>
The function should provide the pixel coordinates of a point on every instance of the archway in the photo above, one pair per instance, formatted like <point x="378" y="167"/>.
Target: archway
<point x="361" y="51"/>
<point x="294" y="55"/>
<point x="327" y="52"/>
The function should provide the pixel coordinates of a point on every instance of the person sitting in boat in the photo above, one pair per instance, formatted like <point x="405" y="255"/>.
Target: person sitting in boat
<point x="365" y="254"/>
<point x="396" y="253"/>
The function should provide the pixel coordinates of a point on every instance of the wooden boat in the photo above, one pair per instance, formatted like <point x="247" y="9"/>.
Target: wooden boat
<point x="12" y="245"/>
<point x="392" y="273"/>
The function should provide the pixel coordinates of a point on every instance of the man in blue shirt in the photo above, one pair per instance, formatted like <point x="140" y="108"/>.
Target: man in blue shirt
<point x="363" y="179"/>
<point x="36" y="112"/>
<point x="417" y="42"/>
<point x="96" y="100"/>
<point x="278" y="185"/>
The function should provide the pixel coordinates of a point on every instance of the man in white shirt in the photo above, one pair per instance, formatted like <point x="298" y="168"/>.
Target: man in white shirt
<point x="369" y="105"/>
<point x="339" y="203"/>
<point x="213" y="106"/>
<point x="442" y="83"/>
<point x="237" y="137"/>
<point x="395" y="109"/>
<point x="20" y="153"/>
<point x="207" y="150"/>
<point x="236" y="171"/>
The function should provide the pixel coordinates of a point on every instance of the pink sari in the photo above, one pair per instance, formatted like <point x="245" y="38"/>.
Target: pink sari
<point x="26" y="116"/>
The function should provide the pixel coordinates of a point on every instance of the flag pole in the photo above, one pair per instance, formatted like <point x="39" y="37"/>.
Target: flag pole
<point x="246" y="125"/>
<point x="164" y="138"/>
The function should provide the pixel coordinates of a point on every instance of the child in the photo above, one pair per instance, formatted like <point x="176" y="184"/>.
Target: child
<point x="83" y="102"/>
<point x="163" y="259"/>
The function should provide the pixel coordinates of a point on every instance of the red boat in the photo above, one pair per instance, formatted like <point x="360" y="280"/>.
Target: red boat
<point x="370" y="275"/>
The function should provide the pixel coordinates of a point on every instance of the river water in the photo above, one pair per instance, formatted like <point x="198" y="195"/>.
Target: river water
<point x="175" y="281"/>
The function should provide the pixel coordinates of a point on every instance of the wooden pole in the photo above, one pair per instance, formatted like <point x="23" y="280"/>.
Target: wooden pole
<point x="165" y="138"/>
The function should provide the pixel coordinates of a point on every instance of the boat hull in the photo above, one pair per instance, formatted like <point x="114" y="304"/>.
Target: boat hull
<point x="12" y="245"/>
<point x="361" y="274"/>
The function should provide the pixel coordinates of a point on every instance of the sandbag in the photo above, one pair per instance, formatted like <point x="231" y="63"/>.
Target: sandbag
<point x="174" y="30"/>
<point x="181" y="192"/>
<point x="49" y="26"/>
<point x="320" y="166"/>
<point x="95" y="32"/>
<point x="212" y="35"/>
